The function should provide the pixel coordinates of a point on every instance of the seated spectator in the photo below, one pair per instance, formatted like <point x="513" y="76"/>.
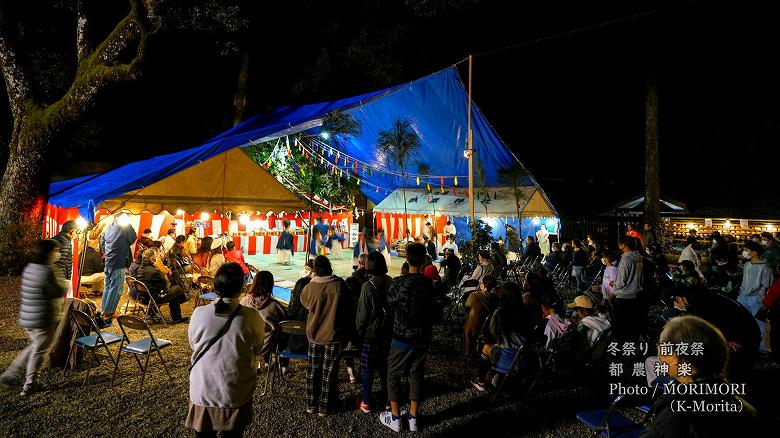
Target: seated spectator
<point x="552" y="259"/>
<point x="236" y="256"/>
<point x="430" y="269"/>
<point x="374" y="325"/>
<point x="144" y="242"/>
<point x="308" y="269"/>
<point x="591" y="323"/>
<point x="478" y="308"/>
<point x="225" y="338"/>
<point x="359" y="276"/>
<point x="430" y="248"/>
<point x="201" y="257"/>
<point x="690" y="252"/>
<point x="470" y="282"/>
<point x="507" y="331"/>
<point x="216" y="258"/>
<point x="405" y="269"/>
<point x="532" y="251"/>
<point x="687" y="277"/>
<point x="298" y="344"/>
<point x="261" y="298"/>
<point x="157" y="284"/>
<point x="556" y="325"/>
<point x="168" y="240"/>
<point x="450" y="244"/>
<point x="497" y="256"/>
<point x="329" y="325"/>
<point x="690" y="367"/>
<point x="92" y="269"/>
<point x="676" y="299"/>
<point x="771" y="250"/>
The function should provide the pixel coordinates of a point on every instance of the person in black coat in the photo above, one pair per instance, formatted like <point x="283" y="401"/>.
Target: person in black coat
<point x="532" y="250"/>
<point x="157" y="285"/>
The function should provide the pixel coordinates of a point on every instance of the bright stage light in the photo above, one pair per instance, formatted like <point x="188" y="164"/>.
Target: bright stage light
<point x="243" y="219"/>
<point x="81" y="223"/>
<point x="123" y="220"/>
<point x="204" y="217"/>
<point x="325" y="135"/>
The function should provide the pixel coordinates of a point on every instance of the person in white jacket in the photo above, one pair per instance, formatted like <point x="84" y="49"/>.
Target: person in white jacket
<point x="689" y="253"/>
<point x="223" y="375"/>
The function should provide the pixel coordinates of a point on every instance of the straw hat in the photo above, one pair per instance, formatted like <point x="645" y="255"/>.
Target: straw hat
<point x="581" y="301"/>
<point x="217" y="243"/>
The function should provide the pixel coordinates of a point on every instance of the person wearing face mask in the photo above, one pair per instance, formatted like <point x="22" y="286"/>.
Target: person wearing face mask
<point x="43" y="287"/>
<point x="757" y="278"/>
<point x="771" y="250"/>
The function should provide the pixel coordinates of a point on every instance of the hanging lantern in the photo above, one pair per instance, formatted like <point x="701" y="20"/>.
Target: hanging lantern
<point x="456" y="181"/>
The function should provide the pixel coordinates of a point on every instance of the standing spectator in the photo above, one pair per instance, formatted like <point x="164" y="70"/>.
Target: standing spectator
<point x="631" y="231"/>
<point x="329" y="324"/>
<point x="157" y="284"/>
<point x="411" y="301"/>
<point x="65" y="239"/>
<point x="478" y="308"/>
<point x="374" y="324"/>
<point x="261" y="298"/>
<point x="450" y="230"/>
<point x="627" y="309"/>
<point x="430" y="248"/>
<point x="237" y="256"/>
<point x="771" y="250"/>
<point x="452" y="267"/>
<point x="609" y="277"/>
<point x="566" y="254"/>
<point x="552" y="259"/>
<point x="43" y="287"/>
<point x="497" y="257"/>
<point x="757" y="278"/>
<point x="648" y="236"/>
<point x="191" y="244"/>
<point x="659" y="259"/>
<point x="225" y="338"/>
<point x="168" y="240"/>
<point x="116" y="245"/>
<point x="579" y="261"/>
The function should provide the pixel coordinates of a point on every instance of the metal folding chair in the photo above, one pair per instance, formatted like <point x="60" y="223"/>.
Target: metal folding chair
<point x="153" y="311"/>
<point x="183" y="279"/>
<point x="90" y="342"/>
<point x="288" y="328"/>
<point x="138" y="306"/>
<point x="206" y="292"/>
<point x="142" y="347"/>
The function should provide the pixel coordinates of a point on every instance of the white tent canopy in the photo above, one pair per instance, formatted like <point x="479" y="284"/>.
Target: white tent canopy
<point x="456" y="203"/>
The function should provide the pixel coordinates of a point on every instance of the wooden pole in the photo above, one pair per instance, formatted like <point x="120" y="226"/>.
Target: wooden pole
<point x="470" y="148"/>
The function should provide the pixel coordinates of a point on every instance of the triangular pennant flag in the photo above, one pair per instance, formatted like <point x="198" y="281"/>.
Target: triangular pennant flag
<point x="456" y="181"/>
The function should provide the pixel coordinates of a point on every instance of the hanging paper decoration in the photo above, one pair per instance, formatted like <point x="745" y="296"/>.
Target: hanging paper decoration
<point x="377" y="189"/>
<point x="330" y="153"/>
<point x="356" y="167"/>
<point x="322" y="160"/>
<point x="307" y="155"/>
<point x="358" y="181"/>
<point x="337" y="155"/>
<point x="418" y="180"/>
<point x="456" y="181"/>
<point x="442" y="189"/>
<point x="428" y="186"/>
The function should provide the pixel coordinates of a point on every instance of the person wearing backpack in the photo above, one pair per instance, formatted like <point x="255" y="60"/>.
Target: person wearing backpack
<point x="374" y="325"/>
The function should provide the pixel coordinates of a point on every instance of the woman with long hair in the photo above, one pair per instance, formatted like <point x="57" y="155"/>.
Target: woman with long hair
<point x="261" y="298"/>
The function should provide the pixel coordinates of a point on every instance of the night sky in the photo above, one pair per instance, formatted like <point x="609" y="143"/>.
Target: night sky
<point x="570" y="107"/>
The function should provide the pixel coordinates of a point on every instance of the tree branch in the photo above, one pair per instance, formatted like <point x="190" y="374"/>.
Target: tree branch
<point x="83" y="30"/>
<point x="16" y="81"/>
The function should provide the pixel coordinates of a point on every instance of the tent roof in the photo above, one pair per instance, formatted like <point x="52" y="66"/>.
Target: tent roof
<point x="455" y="203"/>
<point x="230" y="181"/>
<point x="637" y="206"/>
<point x="436" y="105"/>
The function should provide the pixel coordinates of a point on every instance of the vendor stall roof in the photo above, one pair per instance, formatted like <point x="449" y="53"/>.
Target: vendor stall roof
<point x="636" y="207"/>
<point x="436" y="105"/>
<point x="454" y="202"/>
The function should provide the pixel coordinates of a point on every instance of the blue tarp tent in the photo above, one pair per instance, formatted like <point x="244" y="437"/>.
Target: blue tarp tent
<point x="436" y="105"/>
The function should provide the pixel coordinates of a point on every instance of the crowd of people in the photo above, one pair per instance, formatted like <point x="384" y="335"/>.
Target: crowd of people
<point x="386" y="323"/>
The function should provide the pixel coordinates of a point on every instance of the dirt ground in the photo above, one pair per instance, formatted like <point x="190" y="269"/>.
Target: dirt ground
<point x="66" y="408"/>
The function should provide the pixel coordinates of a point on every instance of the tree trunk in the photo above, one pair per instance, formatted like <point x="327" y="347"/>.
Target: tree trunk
<point x="652" y="160"/>
<point x="24" y="187"/>
<point x="239" y="102"/>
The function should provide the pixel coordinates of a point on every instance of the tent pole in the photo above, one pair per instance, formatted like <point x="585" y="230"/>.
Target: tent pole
<point x="82" y="256"/>
<point x="470" y="148"/>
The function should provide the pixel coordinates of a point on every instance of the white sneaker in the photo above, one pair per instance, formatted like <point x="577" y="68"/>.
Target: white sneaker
<point x="386" y="418"/>
<point x="412" y="420"/>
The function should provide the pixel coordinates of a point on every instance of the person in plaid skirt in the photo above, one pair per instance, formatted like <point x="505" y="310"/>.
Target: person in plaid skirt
<point x="329" y="326"/>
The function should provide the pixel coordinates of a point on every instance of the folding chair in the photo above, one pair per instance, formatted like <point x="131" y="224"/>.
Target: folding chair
<point x="206" y="293"/>
<point x="138" y="306"/>
<point x="184" y="280"/>
<point x="513" y="368"/>
<point x="288" y="328"/>
<point x="145" y="346"/>
<point x="609" y="423"/>
<point x="90" y="342"/>
<point x="153" y="311"/>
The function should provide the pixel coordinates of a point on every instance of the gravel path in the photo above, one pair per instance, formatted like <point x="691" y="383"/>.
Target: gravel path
<point x="159" y="409"/>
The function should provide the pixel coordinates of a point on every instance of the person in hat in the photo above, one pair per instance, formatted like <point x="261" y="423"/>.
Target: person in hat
<point x="591" y="323"/>
<point x="216" y="258"/>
